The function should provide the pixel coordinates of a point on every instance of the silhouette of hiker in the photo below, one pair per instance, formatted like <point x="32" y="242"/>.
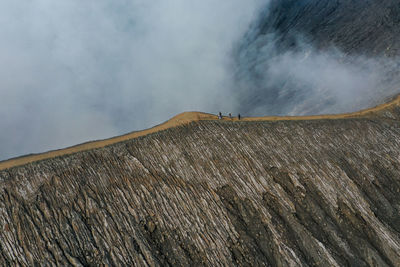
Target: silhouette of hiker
<point x="220" y="116"/>
<point x="239" y="116"/>
<point x="230" y="115"/>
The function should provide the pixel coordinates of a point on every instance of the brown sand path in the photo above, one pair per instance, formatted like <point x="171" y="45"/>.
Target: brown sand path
<point x="181" y="119"/>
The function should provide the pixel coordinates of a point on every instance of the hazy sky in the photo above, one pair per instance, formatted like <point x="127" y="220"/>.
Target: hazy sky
<point x="73" y="71"/>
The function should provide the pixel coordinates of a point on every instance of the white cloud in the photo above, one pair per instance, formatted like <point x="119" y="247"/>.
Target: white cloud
<point x="73" y="71"/>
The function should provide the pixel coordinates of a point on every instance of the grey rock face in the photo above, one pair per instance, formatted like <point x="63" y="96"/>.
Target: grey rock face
<point x="306" y="57"/>
<point x="358" y="26"/>
<point x="288" y="193"/>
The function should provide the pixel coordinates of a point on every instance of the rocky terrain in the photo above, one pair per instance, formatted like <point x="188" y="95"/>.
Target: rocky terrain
<point x="301" y="57"/>
<point x="368" y="27"/>
<point x="267" y="191"/>
<point x="323" y="192"/>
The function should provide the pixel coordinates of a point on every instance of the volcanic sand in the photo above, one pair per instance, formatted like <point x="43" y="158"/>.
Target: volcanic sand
<point x="182" y="119"/>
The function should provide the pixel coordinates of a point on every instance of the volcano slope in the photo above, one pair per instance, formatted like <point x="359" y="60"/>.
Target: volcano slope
<point x="375" y="30"/>
<point x="301" y="56"/>
<point x="321" y="191"/>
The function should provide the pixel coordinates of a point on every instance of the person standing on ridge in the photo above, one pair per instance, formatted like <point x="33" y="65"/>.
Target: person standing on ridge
<point x="230" y="115"/>
<point x="239" y="116"/>
<point x="220" y="116"/>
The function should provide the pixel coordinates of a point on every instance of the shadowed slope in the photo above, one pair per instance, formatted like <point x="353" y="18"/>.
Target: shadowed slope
<point x="182" y="119"/>
<point x="319" y="192"/>
<point x="306" y="57"/>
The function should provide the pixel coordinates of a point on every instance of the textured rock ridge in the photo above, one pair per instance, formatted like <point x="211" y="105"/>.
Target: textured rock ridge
<point x="368" y="27"/>
<point x="260" y="193"/>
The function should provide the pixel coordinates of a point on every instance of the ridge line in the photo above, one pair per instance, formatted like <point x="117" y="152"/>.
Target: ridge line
<point x="178" y="120"/>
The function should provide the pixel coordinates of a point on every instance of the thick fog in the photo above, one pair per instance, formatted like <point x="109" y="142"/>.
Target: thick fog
<point x="73" y="71"/>
<point x="303" y="80"/>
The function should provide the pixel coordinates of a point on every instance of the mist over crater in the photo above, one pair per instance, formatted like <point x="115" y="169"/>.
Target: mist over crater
<point x="318" y="57"/>
<point x="77" y="71"/>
